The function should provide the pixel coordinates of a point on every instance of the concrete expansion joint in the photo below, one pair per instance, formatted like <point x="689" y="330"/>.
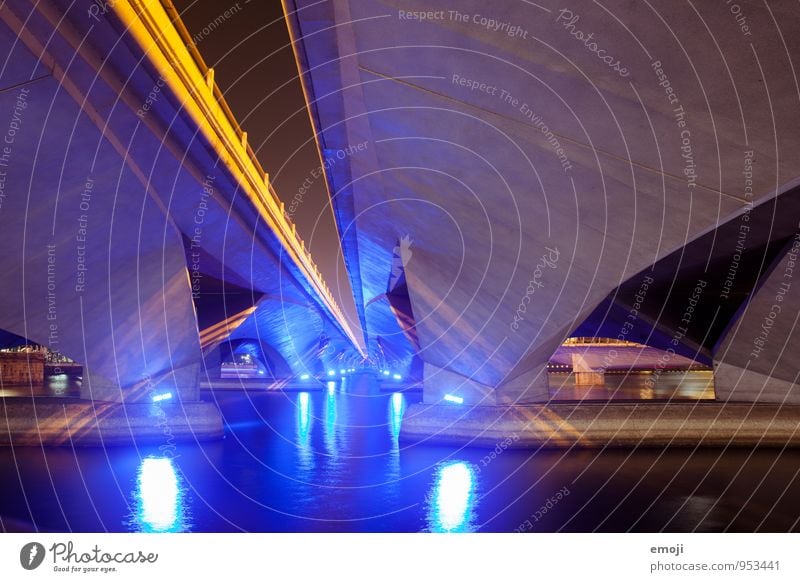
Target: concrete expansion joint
<point x="16" y="86"/>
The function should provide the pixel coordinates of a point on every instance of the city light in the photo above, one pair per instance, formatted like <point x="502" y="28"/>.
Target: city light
<point x="454" y="399"/>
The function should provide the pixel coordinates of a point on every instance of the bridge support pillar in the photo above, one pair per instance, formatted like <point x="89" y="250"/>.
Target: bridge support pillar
<point x="181" y="384"/>
<point x="758" y="357"/>
<point x="584" y="374"/>
<point x="442" y="385"/>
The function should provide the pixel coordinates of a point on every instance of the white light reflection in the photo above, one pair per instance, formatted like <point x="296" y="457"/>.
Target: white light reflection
<point x="159" y="497"/>
<point x="59" y="383"/>
<point x="304" y="418"/>
<point x="329" y="433"/>
<point x="452" y="498"/>
<point x="397" y="406"/>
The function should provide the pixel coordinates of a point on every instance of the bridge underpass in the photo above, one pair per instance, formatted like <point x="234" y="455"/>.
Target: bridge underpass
<point x="495" y="200"/>
<point x="515" y="190"/>
<point x="140" y="233"/>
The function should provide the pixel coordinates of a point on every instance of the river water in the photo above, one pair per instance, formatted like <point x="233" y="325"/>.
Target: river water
<point x="332" y="461"/>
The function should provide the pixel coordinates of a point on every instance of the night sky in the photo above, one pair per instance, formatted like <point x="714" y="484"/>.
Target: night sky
<point x="254" y="67"/>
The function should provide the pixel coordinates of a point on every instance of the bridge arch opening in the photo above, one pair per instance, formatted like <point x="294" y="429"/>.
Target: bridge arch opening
<point x="251" y="358"/>
<point x="607" y="368"/>
<point x="31" y="369"/>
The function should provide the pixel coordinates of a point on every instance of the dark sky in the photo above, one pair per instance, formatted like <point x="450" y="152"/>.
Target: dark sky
<point x="254" y="67"/>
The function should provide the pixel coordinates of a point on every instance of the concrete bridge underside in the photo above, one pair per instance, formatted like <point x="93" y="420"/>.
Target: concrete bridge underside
<point x="513" y="190"/>
<point x="139" y="232"/>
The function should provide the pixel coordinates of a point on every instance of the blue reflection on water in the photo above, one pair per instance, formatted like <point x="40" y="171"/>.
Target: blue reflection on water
<point x="329" y="434"/>
<point x="452" y="499"/>
<point x="397" y="406"/>
<point x="304" y="422"/>
<point x="303" y="418"/>
<point x="159" y="497"/>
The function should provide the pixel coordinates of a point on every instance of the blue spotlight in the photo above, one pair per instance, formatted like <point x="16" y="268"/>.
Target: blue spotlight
<point x="331" y="373"/>
<point x="343" y="372"/>
<point x="454" y="399"/>
<point x="162" y="397"/>
<point x="305" y="377"/>
<point x="386" y="372"/>
<point x="397" y="377"/>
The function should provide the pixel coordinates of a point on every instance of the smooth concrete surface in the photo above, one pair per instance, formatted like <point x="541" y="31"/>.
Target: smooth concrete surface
<point x="67" y="422"/>
<point x="737" y="383"/>
<point x="758" y="358"/>
<point x="439" y="382"/>
<point x="599" y="425"/>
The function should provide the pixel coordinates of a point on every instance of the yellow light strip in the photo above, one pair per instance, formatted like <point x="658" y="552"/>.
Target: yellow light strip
<point x="150" y="26"/>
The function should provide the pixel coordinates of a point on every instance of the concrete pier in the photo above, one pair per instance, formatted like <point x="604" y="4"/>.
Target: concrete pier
<point x="585" y="374"/>
<point x="595" y="425"/>
<point x="76" y="422"/>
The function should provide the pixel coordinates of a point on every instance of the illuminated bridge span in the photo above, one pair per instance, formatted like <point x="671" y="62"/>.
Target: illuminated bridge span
<point x="139" y="232"/>
<point x="522" y="188"/>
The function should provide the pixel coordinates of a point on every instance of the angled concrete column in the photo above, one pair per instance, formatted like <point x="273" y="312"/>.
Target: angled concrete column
<point x="531" y="386"/>
<point x="100" y="270"/>
<point x="758" y="358"/>
<point x="440" y="384"/>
